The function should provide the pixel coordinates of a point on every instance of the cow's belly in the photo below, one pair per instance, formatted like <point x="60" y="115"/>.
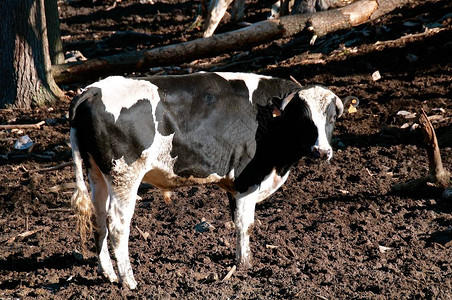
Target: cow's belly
<point x="169" y="181"/>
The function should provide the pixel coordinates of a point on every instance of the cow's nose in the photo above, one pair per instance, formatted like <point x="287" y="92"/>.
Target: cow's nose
<point x="322" y="153"/>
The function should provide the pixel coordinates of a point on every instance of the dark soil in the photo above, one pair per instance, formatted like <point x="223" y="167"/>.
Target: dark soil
<point x="333" y="231"/>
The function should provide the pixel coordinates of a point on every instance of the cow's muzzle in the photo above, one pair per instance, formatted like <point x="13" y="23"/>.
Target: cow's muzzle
<point x="322" y="153"/>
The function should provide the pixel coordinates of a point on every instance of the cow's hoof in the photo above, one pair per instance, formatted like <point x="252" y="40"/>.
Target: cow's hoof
<point x="130" y="283"/>
<point x="245" y="263"/>
<point x="109" y="277"/>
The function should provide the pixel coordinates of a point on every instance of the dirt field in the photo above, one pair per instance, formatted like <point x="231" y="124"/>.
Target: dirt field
<point x="333" y="231"/>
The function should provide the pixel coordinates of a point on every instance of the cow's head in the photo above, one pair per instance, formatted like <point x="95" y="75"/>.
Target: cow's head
<point x="324" y="107"/>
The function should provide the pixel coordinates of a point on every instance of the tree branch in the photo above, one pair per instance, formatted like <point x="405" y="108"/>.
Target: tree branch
<point x="437" y="174"/>
<point x="438" y="177"/>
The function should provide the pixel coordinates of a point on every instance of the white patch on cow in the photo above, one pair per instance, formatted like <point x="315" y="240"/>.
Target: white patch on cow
<point x="244" y="218"/>
<point x="251" y="80"/>
<point x="270" y="184"/>
<point x="159" y="168"/>
<point x="119" y="92"/>
<point x="159" y="154"/>
<point x="123" y="182"/>
<point x="318" y="98"/>
<point x="244" y="215"/>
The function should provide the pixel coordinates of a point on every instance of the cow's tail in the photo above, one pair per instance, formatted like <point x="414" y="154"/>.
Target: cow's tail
<point x="81" y="201"/>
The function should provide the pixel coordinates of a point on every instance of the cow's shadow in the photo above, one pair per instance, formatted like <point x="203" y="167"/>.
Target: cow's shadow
<point x="57" y="261"/>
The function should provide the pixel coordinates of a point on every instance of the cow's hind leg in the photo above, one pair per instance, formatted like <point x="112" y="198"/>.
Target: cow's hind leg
<point x="100" y="198"/>
<point x="122" y="205"/>
<point x="244" y="218"/>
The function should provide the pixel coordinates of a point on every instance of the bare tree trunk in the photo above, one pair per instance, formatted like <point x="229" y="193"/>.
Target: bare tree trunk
<point x="53" y="32"/>
<point x="25" y="77"/>
<point x="319" y="24"/>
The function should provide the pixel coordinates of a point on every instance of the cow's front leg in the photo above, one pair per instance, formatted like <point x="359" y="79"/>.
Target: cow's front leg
<point x="244" y="219"/>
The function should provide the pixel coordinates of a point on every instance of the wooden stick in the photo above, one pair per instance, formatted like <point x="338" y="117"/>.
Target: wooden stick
<point x="230" y="273"/>
<point x="62" y="187"/>
<point x="61" y="166"/>
<point x="143" y="234"/>
<point x="25" y="234"/>
<point x="60" y="209"/>
<point x="437" y="176"/>
<point x="23" y="126"/>
<point x="437" y="173"/>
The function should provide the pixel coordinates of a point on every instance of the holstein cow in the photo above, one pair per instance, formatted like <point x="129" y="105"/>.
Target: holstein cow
<point x="242" y="132"/>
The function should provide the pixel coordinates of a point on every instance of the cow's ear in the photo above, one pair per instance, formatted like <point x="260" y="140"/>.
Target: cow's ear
<point x="276" y="112"/>
<point x="350" y="104"/>
<point x="274" y="105"/>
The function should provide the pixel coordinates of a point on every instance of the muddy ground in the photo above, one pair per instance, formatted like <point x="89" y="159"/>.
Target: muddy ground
<point x="333" y="231"/>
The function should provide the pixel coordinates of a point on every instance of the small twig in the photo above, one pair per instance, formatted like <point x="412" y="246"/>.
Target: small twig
<point x="296" y="81"/>
<point x="15" y="155"/>
<point x="143" y="234"/>
<point x="60" y="209"/>
<point x="57" y="167"/>
<point x="61" y="187"/>
<point x="427" y="32"/>
<point x="230" y="273"/>
<point x="111" y="7"/>
<point x="25" y="234"/>
<point x="23" y="126"/>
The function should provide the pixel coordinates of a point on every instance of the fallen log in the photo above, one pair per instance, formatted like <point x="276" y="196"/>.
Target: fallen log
<point x="318" y="24"/>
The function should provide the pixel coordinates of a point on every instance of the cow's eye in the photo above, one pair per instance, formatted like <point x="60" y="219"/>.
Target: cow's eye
<point x="333" y="119"/>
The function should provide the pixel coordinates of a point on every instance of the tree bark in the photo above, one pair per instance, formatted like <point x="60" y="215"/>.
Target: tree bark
<point x="319" y="24"/>
<point x="25" y="77"/>
<point x="53" y="32"/>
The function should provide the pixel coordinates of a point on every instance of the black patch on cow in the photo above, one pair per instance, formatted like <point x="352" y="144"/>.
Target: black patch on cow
<point x="106" y="140"/>
<point x="213" y="122"/>
<point x="281" y="142"/>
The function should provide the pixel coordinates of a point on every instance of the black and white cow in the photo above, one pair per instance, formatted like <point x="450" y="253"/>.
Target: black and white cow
<point x="242" y="132"/>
